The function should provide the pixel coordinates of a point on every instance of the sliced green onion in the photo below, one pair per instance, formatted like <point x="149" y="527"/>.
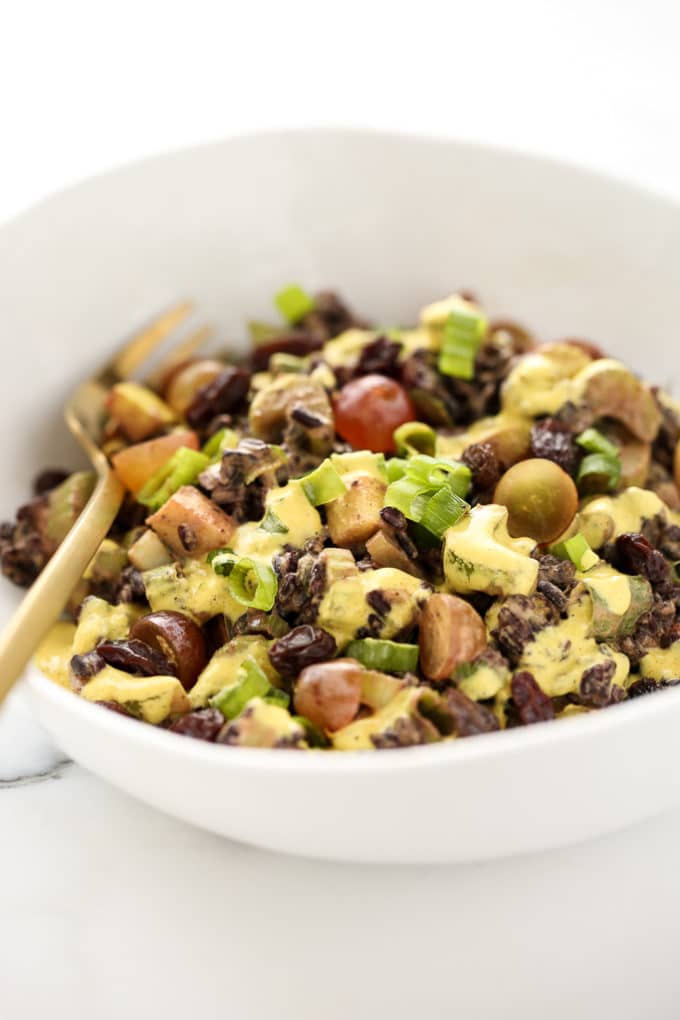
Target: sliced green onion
<point x="409" y="496"/>
<point x="294" y="303"/>
<point x="314" y="736"/>
<point x="578" y="551"/>
<point x="275" y="696"/>
<point x="414" y="437"/>
<point x="594" y="442"/>
<point x="262" y="332"/>
<point x="599" y="472"/>
<point x="273" y="524"/>
<point x="323" y="484"/>
<point x="251" y="583"/>
<point x="281" y="362"/>
<point x="223" y="440"/>
<point x="443" y="510"/>
<point x="387" y="656"/>
<point x="396" y="468"/>
<point x="183" y="468"/>
<point x="250" y="683"/>
<point x="436" y="471"/>
<point x="463" y="334"/>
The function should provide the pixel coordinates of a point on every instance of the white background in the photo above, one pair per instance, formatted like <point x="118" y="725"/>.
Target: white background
<point x="108" y="910"/>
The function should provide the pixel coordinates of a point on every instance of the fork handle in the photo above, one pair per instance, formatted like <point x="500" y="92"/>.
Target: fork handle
<point x="48" y="596"/>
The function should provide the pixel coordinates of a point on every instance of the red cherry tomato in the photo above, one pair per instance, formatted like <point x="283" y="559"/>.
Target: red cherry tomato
<point x="369" y="409"/>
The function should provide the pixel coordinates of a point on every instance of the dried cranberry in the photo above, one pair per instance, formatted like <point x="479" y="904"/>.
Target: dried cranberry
<point x="395" y="518"/>
<point x="529" y="702"/>
<point x="639" y="557"/>
<point x="135" y="657"/>
<point x="203" y="724"/>
<point x="301" y="647"/>
<point x="553" y="440"/>
<point x="484" y="465"/>
<point x="222" y="395"/>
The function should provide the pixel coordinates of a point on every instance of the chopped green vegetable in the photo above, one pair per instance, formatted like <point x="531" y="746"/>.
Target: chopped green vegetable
<point x="463" y="335"/>
<point x="251" y="682"/>
<point x="251" y="583"/>
<point x="313" y="735"/>
<point x="273" y="524"/>
<point x="223" y="440"/>
<point x="388" y="656"/>
<point x="443" y="510"/>
<point x="183" y="468"/>
<point x="594" y="442"/>
<point x="294" y="303"/>
<point x="275" y="696"/>
<point x="323" y="484"/>
<point x="599" y="472"/>
<point x="415" y="437"/>
<point x="578" y="551"/>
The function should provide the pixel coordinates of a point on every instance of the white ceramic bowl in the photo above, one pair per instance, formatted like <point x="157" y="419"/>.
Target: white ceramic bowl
<point x="392" y="222"/>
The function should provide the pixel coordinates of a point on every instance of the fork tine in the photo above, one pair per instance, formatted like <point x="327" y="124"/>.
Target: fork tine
<point x="182" y="352"/>
<point x="143" y="343"/>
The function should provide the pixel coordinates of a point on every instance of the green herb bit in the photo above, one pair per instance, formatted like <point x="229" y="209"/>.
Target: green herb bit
<point x="443" y="510"/>
<point x="224" y="439"/>
<point x="275" y="696"/>
<point x="578" y="551"/>
<point x="386" y="656"/>
<point x="294" y="303"/>
<point x="464" y="332"/>
<point x="250" y="683"/>
<point x="594" y="442"/>
<point x="415" y="437"/>
<point x="323" y="484"/>
<point x="599" y="472"/>
<point x="183" y="468"/>
<point x="273" y="524"/>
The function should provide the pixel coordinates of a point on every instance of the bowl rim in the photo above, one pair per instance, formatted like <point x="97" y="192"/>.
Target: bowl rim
<point x="528" y="739"/>
<point x="389" y="135"/>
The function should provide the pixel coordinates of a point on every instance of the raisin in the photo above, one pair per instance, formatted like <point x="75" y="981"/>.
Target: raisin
<point x="130" y="586"/>
<point x="221" y="396"/>
<point x="559" y="573"/>
<point x="553" y="440"/>
<point x="529" y="703"/>
<point x="520" y="618"/>
<point x="596" y="682"/>
<point x="301" y="647"/>
<point x="468" y="717"/>
<point x="638" y="556"/>
<point x="648" y="686"/>
<point x="48" y="479"/>
<point x="553" y="594"/>
<point x="306" y="418"/>
<point x="381" y="356"/>
<point x="203" y="724"/>
<point x="83" y="667"/>
<point x="484" y="466"/>
<point x="136" y="657"/>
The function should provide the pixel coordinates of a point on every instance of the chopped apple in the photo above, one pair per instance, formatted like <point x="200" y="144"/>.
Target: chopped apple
<point x="138" y="411"/>
<point x="136" y="464"/>
<point x="190" y="524"/>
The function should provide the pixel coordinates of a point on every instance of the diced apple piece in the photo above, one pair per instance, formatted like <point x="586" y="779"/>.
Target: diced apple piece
<point x="138" y="411"/>
<point x="386" y="553"/>
<point x="610" y="390"/>
<point x="136" y="464"/>
<point x="353" y="517"/>
<point x="191" y="524"/>
<point x="148" y="552"/>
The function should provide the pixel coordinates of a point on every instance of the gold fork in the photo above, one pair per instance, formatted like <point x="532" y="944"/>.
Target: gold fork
<point x="84" y="414"/>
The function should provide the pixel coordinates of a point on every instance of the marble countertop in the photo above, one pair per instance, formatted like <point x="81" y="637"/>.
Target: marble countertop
<point x="109" y="909"/>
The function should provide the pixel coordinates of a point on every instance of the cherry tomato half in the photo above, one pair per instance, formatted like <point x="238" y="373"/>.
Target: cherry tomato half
<point x="369" y="409"/>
